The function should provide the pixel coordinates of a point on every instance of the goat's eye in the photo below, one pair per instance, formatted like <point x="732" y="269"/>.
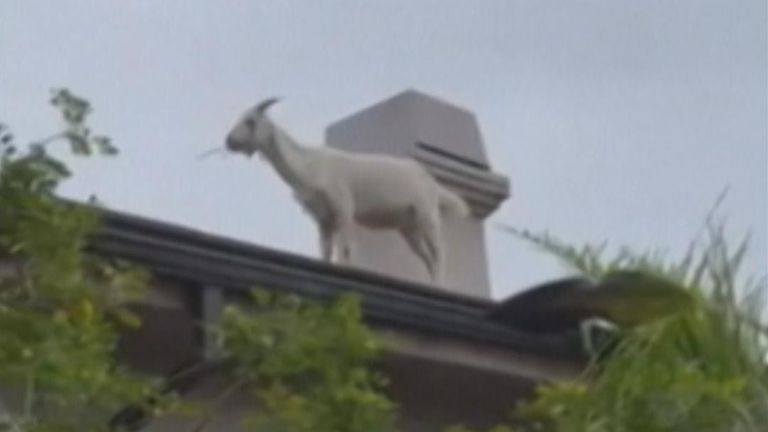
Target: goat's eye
<point x="250" y="123"/>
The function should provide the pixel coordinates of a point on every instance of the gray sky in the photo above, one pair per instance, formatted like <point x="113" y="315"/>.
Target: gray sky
<point x="615" y="120"/>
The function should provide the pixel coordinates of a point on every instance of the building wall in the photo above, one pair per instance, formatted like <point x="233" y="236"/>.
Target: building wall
<point x="435" y="381"/>
<point x="430" y="397"/>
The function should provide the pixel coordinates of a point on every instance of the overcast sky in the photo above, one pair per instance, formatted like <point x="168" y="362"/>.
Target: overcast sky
<point x="615" y="120"/>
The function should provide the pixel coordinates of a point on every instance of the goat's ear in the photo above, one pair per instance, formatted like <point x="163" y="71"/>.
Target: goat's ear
<point x="263" y="105"/>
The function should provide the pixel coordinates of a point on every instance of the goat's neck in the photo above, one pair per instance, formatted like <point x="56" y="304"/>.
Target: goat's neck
<point x="289" y="159"/>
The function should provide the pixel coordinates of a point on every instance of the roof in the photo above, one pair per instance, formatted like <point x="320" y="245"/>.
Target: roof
<point x="205" y="260"/>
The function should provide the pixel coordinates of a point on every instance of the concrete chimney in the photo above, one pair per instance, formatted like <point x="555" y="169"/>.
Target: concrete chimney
<point x="446" y="140"/>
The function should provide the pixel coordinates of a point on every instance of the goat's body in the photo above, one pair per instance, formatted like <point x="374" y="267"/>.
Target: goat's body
<point x="387" y="192"/>
<point x="376" y="192"/>
<point x="342" y="189"/>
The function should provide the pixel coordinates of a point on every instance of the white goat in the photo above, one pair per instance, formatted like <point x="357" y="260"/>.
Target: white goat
<point x="340" y="189"/>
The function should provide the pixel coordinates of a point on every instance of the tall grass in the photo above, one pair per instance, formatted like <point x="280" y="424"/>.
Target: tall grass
<point x="701" y="371"/>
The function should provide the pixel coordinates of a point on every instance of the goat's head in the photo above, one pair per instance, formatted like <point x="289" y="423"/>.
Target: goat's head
<point x="253" y="130"/>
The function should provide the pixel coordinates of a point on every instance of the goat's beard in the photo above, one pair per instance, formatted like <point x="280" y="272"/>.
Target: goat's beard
<point x="247" y="151"/>
<point x="246" y="148"/>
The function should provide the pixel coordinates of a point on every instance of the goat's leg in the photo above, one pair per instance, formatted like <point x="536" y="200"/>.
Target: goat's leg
<point x="326" y="244"/>
<point x="430" y="229"/>
<point x="340" y="201"/>
<point x="343" y="240"/>
<point x="345" y="243"/>
<point x="415" y="241"/>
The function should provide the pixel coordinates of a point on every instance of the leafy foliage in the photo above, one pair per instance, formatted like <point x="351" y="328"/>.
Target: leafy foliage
<point x="702" y="371"/>
<point x="60" y="310"/>
<point x="309" y="363"/>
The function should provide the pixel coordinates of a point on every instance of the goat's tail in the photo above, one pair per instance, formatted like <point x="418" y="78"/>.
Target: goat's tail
<point x="451" y="203"/>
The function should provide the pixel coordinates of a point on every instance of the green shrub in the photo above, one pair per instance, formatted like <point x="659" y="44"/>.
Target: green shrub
<point x="60" y="310"/>
<point x="700" y="371"/>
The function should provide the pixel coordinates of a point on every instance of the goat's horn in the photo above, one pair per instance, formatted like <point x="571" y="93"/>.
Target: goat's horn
<point x="262" y="106"/>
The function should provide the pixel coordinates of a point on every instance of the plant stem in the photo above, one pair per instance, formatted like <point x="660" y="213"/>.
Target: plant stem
<point x="51" y="138"/>
<point x="29" y="396"/>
